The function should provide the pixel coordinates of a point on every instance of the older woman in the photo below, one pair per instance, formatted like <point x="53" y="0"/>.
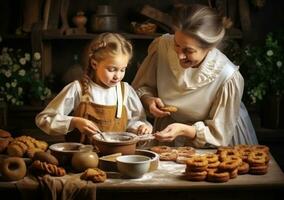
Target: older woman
<point x="187" y="70"/>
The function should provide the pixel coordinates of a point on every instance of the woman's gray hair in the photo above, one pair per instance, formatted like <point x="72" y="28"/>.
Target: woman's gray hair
<point x="201" y="22"/>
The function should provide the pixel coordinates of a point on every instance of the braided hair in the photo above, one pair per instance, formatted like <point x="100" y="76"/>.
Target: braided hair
<point x="104" y="46"/>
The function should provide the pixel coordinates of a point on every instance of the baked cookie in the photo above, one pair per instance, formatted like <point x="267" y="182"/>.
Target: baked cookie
<point x="94" y="174"/>
<point x="169" y="108"/>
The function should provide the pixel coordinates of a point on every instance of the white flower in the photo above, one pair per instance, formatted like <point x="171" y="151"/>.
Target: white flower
<point x="269" y="53"/>
<point x="8" y="73"/>
<point x="279" y="64"/>
<point x="13" y="100"/>
<point x="7" y="85"/>
<point x="27" y="56"/>
<point x="22" y="61"/>
<point x="14" y="83"/>
<point x="22" y="72"/>
<point x="37" y="56"/>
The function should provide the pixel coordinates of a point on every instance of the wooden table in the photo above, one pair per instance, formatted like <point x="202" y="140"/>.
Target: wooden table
<point x="167" y="182"/>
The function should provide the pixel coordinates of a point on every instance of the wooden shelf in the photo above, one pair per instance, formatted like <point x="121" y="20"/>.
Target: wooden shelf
<point x="57" y="36"/>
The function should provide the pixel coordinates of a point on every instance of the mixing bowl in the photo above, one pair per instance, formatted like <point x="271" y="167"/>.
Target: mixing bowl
<point x="115" y="142"/>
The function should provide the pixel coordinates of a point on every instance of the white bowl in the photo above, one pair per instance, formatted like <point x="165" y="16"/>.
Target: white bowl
<point x="154" y="164"/>
<point x="133" y="166"/>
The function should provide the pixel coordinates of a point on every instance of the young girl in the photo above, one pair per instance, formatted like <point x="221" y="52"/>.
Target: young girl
<point x="100" y="101"/>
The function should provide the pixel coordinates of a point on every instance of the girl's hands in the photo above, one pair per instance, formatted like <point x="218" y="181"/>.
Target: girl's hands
<point x="144" y="129"/>
<point x="85" y="126"/>
<point x="154" y="104"/>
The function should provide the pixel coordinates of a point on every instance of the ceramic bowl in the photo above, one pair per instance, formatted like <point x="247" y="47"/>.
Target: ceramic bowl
<point x="154" y="164"/>
<point x="65" y="150"/>
<point x="133" y="166"/>
<point x="115" y="142"/>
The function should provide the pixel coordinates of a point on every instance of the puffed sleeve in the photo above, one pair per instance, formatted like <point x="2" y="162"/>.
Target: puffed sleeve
<point x="219" y="128"/>
<point x="135" y="110"/>
<point x="145" y="79"/>
<point x="54" y="119"/>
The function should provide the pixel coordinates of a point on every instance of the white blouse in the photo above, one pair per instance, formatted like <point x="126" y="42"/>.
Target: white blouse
<point x="55" y="119"/>
<point x="208" y="97"/>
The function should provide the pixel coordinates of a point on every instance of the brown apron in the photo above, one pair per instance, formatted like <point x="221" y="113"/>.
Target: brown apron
<point x="106" y="117"/>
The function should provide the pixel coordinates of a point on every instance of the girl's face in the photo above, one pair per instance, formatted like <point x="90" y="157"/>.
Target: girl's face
<point x="111" y="70"/>
<point x="188" y="50"/>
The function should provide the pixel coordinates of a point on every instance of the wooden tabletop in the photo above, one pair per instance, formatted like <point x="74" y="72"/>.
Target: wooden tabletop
<point x="169" y="176"/>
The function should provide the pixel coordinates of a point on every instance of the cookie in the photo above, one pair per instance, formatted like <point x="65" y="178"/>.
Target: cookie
<point x="169" y="108"/>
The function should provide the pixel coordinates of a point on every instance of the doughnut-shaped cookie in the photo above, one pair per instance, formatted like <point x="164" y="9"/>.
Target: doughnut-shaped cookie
<point x="13" y="168"/>
<point x="197" y="164"/>
<point x="196" y="176"/>
<point x="161" y="149"/>
<point x="257" y="158"/>
<point x="185" y="151"/>
<point x="243" y="168"/>
<point x="211" y="158"/>
<point x="228" y="165"/>
<point x="217" y="176"/>
<point x="168" y="156"/>
<point x="228" y="152"/>
<point x="261" y="148"/>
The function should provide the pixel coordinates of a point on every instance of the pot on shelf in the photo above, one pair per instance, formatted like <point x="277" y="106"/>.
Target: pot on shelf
<point x="103" y="20"/>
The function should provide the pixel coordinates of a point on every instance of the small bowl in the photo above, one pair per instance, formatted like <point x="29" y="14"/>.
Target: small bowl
<point x="116" y="142"/>
<point x="65" y="150"/>
<point x="154" y="164"/>
<point x="133" y="166"/>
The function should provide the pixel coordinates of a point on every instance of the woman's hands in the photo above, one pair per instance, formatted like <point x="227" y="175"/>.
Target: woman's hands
<point x="174" y="130"/>
<point x="154" y="104"/>
<point x="144" y="129"/>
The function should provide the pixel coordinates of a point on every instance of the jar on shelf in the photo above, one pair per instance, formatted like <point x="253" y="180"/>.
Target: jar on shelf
<point x="79" y="20"/>
<point x="104" y="19"/>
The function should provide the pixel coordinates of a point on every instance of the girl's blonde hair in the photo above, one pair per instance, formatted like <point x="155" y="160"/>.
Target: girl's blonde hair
<point x="104" y="46"/>
<point x="201" y="22"/>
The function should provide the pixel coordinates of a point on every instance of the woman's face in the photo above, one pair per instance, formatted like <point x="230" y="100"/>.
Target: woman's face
<point x="109" y="72"/>
<point x="188" y="50"/>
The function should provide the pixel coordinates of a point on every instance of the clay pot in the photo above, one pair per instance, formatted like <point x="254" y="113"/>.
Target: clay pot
<point x="79" y="20"/>
<point x="85" y="159"/>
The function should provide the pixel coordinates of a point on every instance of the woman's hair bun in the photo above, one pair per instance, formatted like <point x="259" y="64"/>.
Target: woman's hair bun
<point x="227" y="22"/>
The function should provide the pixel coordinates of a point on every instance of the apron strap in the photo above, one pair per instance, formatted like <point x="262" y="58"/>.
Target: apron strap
<point x="119" y="100"/>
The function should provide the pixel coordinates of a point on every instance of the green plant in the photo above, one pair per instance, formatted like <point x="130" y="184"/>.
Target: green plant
<point x="20" y="80"/>
<point x="264" y="68"/>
